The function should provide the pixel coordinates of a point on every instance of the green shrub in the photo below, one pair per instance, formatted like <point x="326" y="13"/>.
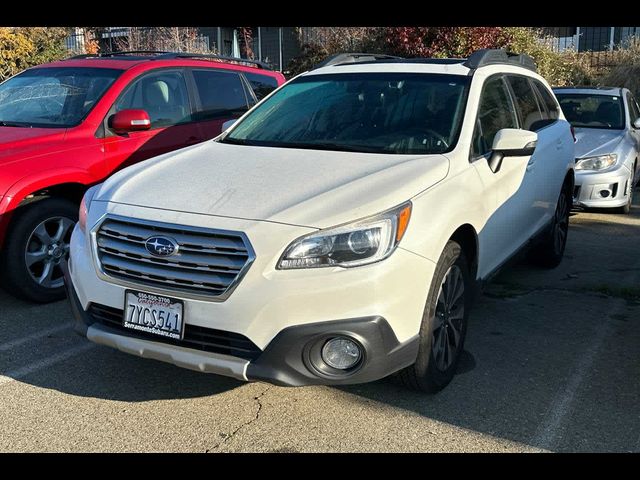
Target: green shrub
<point x="558" y="68"/>
<point x="625" y="71"/>
<point x="310" y="55"/>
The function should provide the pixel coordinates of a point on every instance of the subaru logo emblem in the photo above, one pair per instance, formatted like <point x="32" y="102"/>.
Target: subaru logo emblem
<point x="161" y="246"/>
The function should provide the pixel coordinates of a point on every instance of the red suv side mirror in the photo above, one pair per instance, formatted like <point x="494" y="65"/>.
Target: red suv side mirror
<point x="130" y="121"/>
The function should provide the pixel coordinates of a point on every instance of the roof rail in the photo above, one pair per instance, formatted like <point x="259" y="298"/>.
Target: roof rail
<point x="118" y="54"/>
<point x="488" y="56"/>
<point x="206" y="56"/>
<point x="163" y="55"/>
<point x="345" y="58"/>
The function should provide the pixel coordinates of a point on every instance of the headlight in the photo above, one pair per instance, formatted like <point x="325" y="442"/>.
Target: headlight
<point x="359" y="243"/>
<point x="85" y="204"/>
<point x="596" y="163"/>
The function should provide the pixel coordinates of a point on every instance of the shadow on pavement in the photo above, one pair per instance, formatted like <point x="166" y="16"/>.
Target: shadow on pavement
<point x="62" y="360"/>
<point x="551" y="356"/>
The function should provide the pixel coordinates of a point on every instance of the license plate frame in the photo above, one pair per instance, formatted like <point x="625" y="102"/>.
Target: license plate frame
<point x="162" y="303"/>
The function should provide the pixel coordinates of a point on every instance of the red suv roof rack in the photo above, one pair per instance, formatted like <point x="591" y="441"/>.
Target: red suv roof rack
<point x="162" y="55"/>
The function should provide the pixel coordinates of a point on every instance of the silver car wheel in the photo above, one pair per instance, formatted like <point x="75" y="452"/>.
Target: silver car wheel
<point x="47" y="247"/>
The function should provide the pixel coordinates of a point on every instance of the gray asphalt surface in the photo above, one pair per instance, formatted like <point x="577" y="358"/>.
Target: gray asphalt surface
<point x="551" y="364"/>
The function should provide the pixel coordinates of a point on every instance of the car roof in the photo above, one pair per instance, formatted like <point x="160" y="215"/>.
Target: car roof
<point x="581" y="90"/>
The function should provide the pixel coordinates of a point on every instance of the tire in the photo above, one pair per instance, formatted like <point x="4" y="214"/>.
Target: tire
<point x="626" y="209"/>
<point x="42" y="232"/>
<point x="434" y="369"/>
<point x="549" y="253"/>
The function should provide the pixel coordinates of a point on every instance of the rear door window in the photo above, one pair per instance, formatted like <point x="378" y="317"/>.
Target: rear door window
<point x="222" y="94"/>
<point x="531" y="113"/>
<point x="262" y="85"/>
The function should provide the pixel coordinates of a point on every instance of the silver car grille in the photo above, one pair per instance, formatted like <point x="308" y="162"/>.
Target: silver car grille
<point x="208" y="264"/>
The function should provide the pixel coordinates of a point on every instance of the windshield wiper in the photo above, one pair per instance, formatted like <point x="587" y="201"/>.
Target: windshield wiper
<point x="4" y="123"/>
<point x="235" y="141"/>
<point x="304" y="145"/>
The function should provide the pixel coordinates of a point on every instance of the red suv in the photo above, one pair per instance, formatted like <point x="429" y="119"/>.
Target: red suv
<point x="67" y="125"/>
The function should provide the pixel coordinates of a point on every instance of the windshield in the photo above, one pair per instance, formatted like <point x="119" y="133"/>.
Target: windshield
<point x="52" y="97"/>
<point x="592" y="111"/>
<point x="397" y="113"/>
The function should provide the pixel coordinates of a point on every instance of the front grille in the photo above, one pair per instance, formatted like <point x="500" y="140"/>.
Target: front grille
<point x="208" y="263"/>
<point x="198" y="338"/>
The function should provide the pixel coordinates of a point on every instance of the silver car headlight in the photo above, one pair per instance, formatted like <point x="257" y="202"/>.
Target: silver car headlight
<point x="596" y="163"/>
<point x="359" y="243"/>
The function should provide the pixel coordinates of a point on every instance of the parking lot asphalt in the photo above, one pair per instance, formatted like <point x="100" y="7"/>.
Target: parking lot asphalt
<point x="551" y="364"/>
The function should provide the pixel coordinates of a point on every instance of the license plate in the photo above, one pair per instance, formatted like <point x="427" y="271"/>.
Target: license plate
<point x="155" y="314"/>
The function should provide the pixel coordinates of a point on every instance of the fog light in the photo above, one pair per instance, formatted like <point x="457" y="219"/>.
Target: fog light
<point x="341" y="353"/>
<point x="604" y="193"/>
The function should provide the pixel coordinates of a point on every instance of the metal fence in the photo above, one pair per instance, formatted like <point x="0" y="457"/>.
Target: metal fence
<point x="598" y="44"/>
<point x="275" y="46"/>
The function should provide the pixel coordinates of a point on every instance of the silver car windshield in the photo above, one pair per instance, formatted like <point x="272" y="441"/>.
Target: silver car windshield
<point x="592" y="111"/>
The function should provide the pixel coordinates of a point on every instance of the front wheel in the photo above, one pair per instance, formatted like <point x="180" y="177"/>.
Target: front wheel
<point x="444" y="324"/>
<point x="36" y="245"/>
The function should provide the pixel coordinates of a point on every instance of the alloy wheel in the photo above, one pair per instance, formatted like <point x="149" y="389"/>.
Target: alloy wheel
<point x="46" y="249"/>
<point x="448" y="319"/>
<point x="561" y="224"/>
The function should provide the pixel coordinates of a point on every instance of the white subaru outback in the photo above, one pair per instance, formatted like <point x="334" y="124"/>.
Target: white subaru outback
<point x="337" y="232"/>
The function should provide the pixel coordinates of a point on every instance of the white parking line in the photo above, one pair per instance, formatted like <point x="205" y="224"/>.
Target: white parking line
<point x="548" y="433"/>
<point x="34" y="336"/>
<point x="19" y="373"/>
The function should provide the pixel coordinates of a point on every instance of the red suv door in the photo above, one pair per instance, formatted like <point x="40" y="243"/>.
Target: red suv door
<point x="164" y="95"/>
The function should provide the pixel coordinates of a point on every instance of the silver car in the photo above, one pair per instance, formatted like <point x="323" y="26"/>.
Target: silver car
<point x="606" y="121"/>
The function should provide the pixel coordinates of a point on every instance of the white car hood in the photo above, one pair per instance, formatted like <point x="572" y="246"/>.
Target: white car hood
<point x="294" y="186"/>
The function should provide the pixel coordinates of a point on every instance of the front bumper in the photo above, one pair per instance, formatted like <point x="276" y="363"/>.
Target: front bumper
<point x="602" y="190"/>
<point x="279" y="312"/>
<point x="288" y="360"/>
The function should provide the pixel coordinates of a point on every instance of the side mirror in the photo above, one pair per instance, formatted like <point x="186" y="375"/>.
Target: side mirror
<point x="511" y="142"/>
<point x="130" y="121"/>
<point x="636" y="123"/>
<point x="228" y="123"/>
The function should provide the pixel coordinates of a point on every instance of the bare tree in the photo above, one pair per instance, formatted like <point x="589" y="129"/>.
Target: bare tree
<point x="173" y="39"/>
<point x="339" y="39"/>
<point x="247" y="41"/>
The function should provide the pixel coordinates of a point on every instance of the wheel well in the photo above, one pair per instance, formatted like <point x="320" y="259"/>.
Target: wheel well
<point x="467" y="238"/>
<point x="69" y="191"/>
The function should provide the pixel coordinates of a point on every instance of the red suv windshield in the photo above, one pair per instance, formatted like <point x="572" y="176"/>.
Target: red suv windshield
<point x="53" y="97"/>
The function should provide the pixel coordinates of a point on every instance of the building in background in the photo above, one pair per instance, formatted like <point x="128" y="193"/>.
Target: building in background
<point x="275" y="46"/>
<point x="590" y="39"/>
